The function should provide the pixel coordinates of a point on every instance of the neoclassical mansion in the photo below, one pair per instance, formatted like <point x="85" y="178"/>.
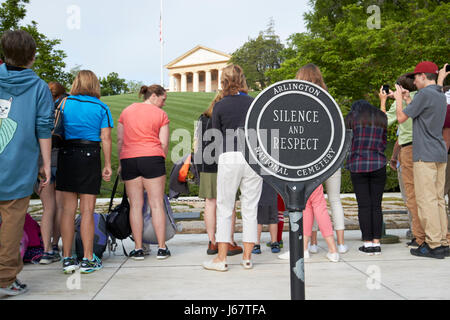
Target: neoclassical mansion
<point x="198" y="70"/>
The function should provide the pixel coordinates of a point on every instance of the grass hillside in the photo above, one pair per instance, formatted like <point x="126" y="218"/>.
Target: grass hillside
<point x="183" y="110"/>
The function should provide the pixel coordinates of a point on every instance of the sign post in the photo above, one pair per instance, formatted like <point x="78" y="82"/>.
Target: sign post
<point x="295" y="138"/>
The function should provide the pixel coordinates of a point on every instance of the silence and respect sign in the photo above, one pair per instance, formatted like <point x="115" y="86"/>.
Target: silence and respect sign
<point x="295" y="131"/>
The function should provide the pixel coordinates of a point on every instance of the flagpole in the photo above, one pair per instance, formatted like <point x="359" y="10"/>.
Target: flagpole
<point x="161" y="43"/>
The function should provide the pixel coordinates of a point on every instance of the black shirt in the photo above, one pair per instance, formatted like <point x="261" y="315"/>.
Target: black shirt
<point x="228" y="115"/>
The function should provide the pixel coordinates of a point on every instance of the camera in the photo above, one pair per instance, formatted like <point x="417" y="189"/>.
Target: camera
<point x="386" y="88"/>
<point x="447" y="68"/>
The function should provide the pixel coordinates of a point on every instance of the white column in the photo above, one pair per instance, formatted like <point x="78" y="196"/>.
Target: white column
<point x="183" y="82"/>
<point x="177" y="84"/>
<point x="172" y="83"/>
<point x="208" y="81"/>
<point x="219" y="83"/>
<point x="196" y="82"/>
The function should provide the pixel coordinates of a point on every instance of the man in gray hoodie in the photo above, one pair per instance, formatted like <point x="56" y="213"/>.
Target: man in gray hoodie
<point x="26" y="122"/>
<point x="428" y="110"/>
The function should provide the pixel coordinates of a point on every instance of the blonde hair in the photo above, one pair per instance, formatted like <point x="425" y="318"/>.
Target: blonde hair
<point x="311" y="73"/>
<point x="233" y="80"/>
<point x="86" y="83"/>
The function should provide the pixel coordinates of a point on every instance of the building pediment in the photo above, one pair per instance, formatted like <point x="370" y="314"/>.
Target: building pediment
<point x="198" y="56"/>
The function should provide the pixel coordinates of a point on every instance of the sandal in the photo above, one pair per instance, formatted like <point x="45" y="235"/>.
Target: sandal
<point x="247" y="264"/>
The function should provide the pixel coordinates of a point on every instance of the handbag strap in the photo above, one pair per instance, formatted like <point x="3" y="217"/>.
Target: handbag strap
<point x="116" y="183"/>
<point x="60" y="109"/>
<point x="125" y="197"/>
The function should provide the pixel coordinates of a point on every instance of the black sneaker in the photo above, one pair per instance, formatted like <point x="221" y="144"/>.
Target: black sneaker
<point x="425" y="251"/>
<point x="413" y="244"/>
<point x="50" y="257"/>
<point x="70" y="265"/>
<point x="163" y="253"/>
<point x="137" y="254"/>
<point x="376" y="250"/>
<point x="445" y="250"/>
<point x="367" y="250"/>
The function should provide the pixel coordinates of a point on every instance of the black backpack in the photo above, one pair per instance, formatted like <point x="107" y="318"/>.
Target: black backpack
<point x="118" y="219"/>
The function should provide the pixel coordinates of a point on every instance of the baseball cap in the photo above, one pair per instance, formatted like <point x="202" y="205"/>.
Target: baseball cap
<point x="424" y="67"/>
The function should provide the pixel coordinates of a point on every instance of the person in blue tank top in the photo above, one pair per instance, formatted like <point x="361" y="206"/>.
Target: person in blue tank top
<point x="87" y="124"/>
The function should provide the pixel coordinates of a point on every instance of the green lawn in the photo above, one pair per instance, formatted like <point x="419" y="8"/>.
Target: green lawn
<point x="183" y="110"/>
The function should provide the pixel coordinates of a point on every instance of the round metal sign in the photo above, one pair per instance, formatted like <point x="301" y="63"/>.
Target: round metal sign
<point x="294" y="131"/>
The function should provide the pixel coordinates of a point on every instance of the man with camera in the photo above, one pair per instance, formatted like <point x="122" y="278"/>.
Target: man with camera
<point x="428" y="110"/>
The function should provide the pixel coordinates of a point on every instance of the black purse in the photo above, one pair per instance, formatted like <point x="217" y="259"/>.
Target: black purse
<point x="58" y="131"/>
<point x="118" y="219"/>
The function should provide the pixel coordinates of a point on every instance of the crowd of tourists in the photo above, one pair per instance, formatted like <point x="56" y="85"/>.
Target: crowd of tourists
<point x="70" y="172"/>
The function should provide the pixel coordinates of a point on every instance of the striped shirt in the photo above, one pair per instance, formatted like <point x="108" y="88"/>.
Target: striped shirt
<point x="368" y="146"/>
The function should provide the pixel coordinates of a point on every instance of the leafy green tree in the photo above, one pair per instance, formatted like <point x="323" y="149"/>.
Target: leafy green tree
<point x="49" y="63"/>
<point x="259" y="55"/>
<point x="356" y="60"/>
<point x="113" y="85"/>
<point x="134" y="86"/>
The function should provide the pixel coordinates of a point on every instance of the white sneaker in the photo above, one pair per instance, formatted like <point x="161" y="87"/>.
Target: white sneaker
<point x="216" y="266"/>
<point x="313" y="248"/>
<point x="306" y="254"/>
<point x="342" y="248"/>
<point x="284" y="256"/>
<point x="333" y="257"/>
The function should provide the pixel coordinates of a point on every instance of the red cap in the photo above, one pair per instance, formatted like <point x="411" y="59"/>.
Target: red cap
<point x="424" y="67"/>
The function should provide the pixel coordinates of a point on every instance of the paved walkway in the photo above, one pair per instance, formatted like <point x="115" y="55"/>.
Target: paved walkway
<point x="393" y="275"/>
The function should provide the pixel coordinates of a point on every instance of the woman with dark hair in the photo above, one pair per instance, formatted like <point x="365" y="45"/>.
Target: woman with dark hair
<point x="87" y="129"/>
<point x="233" y="171"/>
<point x="367" y="165"/>
<point x="143" y="144"/>
<point x="207" y="166"/>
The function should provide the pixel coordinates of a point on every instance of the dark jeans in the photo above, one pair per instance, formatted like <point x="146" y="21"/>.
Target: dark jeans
<point x="369" y="187"/>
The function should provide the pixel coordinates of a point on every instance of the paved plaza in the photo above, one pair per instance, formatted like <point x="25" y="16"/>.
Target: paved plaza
<point x="394" y="275"/>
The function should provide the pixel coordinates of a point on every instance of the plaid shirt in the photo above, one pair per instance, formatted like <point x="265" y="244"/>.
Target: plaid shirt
<point x="367" y="152"/>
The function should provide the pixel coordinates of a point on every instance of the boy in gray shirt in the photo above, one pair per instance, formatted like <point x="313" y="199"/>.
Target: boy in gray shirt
<point x="428" y="110"/>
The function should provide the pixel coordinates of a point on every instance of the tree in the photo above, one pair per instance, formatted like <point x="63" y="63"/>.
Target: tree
<point x="356" y="60"/>
<point x="134" y="86"/>
<point x="259" y="55"/>
<point x="49" y="64"/>
<point x="113" y="85"/>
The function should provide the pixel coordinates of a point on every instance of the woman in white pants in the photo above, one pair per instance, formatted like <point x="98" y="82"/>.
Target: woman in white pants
<point x="233" y="171"/>
<point x="333" y="186"/>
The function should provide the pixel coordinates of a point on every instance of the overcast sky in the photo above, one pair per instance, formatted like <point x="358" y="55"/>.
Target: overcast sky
<point x="123" y="36"/>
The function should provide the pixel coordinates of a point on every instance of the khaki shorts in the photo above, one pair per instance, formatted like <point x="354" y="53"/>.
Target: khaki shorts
<point x="208" y="185"/>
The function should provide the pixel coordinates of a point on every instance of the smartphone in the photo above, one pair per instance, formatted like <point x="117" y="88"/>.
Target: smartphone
<point x="447" y="68"/>
<point x="386" y="88"/>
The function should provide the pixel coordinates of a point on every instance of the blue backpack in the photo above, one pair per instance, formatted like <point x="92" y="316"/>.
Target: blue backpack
<point x="100" y="237"/>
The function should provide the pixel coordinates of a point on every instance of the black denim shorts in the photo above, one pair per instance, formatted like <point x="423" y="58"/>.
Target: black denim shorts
<point x="79" y="169"/>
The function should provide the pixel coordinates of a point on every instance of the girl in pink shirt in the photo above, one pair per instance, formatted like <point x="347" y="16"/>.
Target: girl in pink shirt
<point x="143" y="142"/>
